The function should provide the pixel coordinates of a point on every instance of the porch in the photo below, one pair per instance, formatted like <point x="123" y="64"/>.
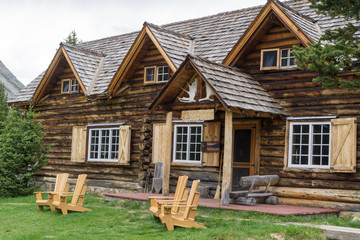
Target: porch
<point x="279" y="210"/>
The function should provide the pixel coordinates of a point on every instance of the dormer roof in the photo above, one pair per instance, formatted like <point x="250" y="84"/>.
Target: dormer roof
<point x="233" y="88"/>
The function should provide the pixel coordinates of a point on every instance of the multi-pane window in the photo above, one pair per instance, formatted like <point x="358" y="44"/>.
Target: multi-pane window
<point x="69" y="86"/>
<point x="156" y="74"/>
<point x="187" y="143"/>
<point x="103" y="144"/>
<point x="74" y="85"/>
<point x="162" y="73"/>
<point x="287" y="58"/>
<point x="309" y="145"/>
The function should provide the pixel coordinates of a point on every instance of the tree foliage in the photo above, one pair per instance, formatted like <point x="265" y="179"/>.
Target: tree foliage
<point x="338" y="50"/>
<point x="22" y="152"/>
<point x="4" y="109"/>
<point x="72" y="39"/>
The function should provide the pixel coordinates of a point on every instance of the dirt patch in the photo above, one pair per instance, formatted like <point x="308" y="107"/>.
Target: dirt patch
<point x="277" y="236"/>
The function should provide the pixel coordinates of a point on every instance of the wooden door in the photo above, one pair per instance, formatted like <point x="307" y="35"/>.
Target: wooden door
<point x="243" y="162"/>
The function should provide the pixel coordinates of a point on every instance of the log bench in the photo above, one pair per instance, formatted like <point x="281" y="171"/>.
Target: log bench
<point x="252" y="192"/>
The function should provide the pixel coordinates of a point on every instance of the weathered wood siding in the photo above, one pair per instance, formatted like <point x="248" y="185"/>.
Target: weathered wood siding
<point x="60" y="112"/>
<point x="295" y="91"/>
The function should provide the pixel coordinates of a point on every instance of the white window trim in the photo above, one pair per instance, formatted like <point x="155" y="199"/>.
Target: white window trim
<point x="157" y="75"/>
<point x="71" y="85"/>
<point x="290" y="165"/>
<point x="99" y="144"/>
<point x="288" y="59"/>
<point x="188" y="144"/>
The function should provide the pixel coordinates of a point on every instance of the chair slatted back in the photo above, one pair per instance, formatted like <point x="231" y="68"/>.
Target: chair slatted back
<point x="79" y="188"/>
<point x="180" y="190"/>
<point x="61" y="184"/>
<point x="192" y="198"/>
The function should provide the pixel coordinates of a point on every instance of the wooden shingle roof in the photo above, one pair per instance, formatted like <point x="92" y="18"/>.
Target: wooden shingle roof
<point x="235" y="89"/>
<point x="211" y="37"/>
<point x="86" y="62"/>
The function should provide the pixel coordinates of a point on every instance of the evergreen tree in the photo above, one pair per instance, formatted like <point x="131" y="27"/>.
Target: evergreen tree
<point x="337" y="50"/>
<point x="22" y="152"/>
<point x="3" y="106"/>
<point x="72" y="39"/>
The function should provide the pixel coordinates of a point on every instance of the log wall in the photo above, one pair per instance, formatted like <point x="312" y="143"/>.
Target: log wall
<point x="299" y="96"/>
<point x="60" y="112"/>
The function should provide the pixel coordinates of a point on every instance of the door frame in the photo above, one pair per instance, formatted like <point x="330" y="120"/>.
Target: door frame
<point x="254" y="125"/>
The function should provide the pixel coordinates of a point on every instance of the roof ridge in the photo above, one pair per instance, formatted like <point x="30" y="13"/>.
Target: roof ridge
<point x="161" y="28"/>
<point x="213" y="15"/>
<point x="195" y="57"/>
<point x="107" y="38"/>
<point x="84" y="49"/>
<point x="283" y="4"/>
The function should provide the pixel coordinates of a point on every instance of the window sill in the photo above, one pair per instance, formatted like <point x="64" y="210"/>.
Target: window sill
<point x="155" y="83"/>
<point x="187" y="164"/>
<point x="306" y="170"/>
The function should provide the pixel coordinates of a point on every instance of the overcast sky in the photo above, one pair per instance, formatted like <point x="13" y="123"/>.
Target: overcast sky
<point x="31" y="30"/>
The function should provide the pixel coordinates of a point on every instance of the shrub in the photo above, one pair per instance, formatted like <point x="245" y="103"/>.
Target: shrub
<point x="22" y="152"/>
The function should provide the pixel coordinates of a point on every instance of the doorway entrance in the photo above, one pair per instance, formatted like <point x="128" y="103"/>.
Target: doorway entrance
<point x="243" y="162"/>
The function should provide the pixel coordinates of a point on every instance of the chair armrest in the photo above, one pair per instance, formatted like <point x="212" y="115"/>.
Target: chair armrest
<point x="158" y="197"/>
<point x="43" y="192"/>
<point x="171" y="201"/>
<point x="68" y="194"/>
<point x="170" y="206"/>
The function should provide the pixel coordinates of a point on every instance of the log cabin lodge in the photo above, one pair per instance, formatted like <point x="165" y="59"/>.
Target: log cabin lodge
<point x="221" y="90"/>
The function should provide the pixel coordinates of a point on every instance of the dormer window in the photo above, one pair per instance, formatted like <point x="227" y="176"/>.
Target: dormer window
<point x="269" y="59"/>
<point x="276" y="59"/>
<point x="287" y="58"/>
<point x="69" y="86"/>
<point x="155" y="74"/>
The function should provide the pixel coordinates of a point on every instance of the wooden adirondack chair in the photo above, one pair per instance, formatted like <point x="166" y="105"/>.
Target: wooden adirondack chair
<point x="61" y="185"/>
<point x="184" y="218"/>
<point x="77" y="198"/>
<point x="181" y="194"/>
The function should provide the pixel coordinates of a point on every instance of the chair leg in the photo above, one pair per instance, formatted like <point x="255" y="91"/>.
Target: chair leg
<point x="64" y="211"/>
<point x="41" y="208"/>
<point x="52" y="208"/>
<point x="167" y="219"/>
<point x="50" y="201"/>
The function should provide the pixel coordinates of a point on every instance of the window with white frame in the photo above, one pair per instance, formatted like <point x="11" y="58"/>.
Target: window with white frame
<point x="103" y="144"/>
<point x="74" y="86"/>
<point x="155" y="74"/>
<point x="287" y="58"/>
<point x="309" y="145"/>
<point x="162" y="74"/>
<point x="187" y="143"/>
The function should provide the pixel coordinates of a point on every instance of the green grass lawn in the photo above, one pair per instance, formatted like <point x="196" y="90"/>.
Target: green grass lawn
<point x="127" y="219"/>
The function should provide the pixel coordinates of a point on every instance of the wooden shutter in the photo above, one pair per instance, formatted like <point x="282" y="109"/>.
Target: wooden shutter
<point x="212" y="133"/>
<point x="78" y="144"/>
<point x="343" y="145"/>
<point x="124" y="145"/>
<point x="159" y="142"/>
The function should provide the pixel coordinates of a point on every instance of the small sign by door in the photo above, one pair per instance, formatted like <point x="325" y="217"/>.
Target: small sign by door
<point x="210" y="146"/>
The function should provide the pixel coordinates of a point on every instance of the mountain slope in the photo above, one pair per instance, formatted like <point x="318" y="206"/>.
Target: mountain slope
<point x="12" y="84"/>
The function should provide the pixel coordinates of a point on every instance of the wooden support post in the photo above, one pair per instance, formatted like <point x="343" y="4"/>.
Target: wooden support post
<point x="228" y="145"/>
<point x="167" y="162"/>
